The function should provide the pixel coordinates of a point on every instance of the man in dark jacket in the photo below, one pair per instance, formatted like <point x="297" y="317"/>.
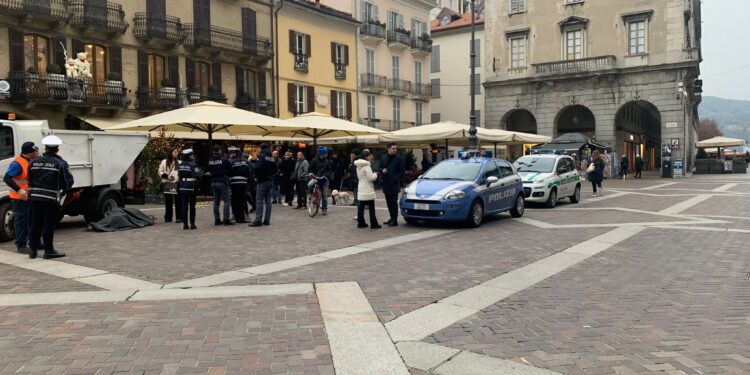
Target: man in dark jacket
<point x="265" y="171"/>
<point x="352" y="171"/>
<point x="285" y="178"/>
<point x="219" y="168"/>
<point x="392" y="169"/>
<point x="638" y="166"/>
<point x="239" y="176"/>
<point x="320" y="166"/>
<point x="337" y="169"/>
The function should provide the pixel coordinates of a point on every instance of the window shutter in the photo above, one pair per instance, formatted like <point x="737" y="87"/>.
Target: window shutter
<point x="334" y="103"/>
<point x="435" y="59"/>
<point x="349" y="106"/>
<point x="435" y="83"/>
<point x="292" y="35"/>
<point x="291" y="96"/>
<point x="310" y="99"/>
<point x="142" y="70"/>
<point x="216" y="75"/>
<point x="173" y="67"/>
<point x="58" y="49"/>
<point x="346" y="55"/>
<point x="115" y="60"/>
<point x="434" y="118"/>
<point x="375" y="12"/>
<point x="16" y="50"/>
<point x="249" y="28"/>
<point x="239" y="81"/>
<point x="363" y="12"/>
<point x="262" y="85"/>
<point x="77" y="46"/>
<point x="308" y="45"/>
<point x="333" y="52"/>
<point x="189" y="73"/>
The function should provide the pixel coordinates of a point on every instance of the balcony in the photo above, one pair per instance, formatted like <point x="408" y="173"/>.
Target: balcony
<point x="372" y="83"/>
<point x="197" y="97"/>
<point x="300" y="63"/>
<point x="398" y="40"/>
<point x="421" y="91"/>
<point x="97" y="19"/>
<point x="388" y="125"/>
<point x="262" y="106"/>
<point x="59" y="90"/>
<point x="421" y="46"/>
<point x="28" y="11"/>
<point x="219" y="40"/>
<point x="339" y="71"/>
<point x="399" y="87"/>
<point x="159" y="99"/>
<point x="587" y="65"/>
<point x="167" y="31"/>
<point x="371" y="32"/>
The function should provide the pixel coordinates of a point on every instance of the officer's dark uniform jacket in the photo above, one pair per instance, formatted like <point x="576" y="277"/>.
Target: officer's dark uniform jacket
<point x="219" y="169"/>
<point x="240" y="171"/>
<point x="188" y="174"/>
<point x="265" y="168"/>
<point x="49" y="178"/>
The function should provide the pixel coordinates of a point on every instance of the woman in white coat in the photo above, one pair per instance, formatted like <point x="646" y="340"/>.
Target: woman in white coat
<point x="366" y="190"/>
<point x="168" y="174"/>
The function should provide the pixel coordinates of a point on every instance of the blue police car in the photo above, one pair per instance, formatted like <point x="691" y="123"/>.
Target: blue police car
<point x="465" y="189"/>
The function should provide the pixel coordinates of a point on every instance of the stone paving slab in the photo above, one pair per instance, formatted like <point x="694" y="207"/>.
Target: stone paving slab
<point x="656" y="302"/>
<point x="603" y="215"/>
<point x="637" y="202"/>
<point x="260" y="335"/>
<point x="400" y="279"/>
<point x="17" y="280"/>
<point x="723" y="205"/>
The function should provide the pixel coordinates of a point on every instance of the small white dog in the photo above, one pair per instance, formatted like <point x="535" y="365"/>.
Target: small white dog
<point x="342" y="198"/>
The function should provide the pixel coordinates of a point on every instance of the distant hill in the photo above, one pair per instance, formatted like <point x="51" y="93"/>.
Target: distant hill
<point x="733" y="116"/>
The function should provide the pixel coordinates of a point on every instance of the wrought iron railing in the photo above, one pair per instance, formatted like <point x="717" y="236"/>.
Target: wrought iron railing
<point x="396" y="85"/>
<point x="110" y="17"/>
<point x="262" y="106"/>
<point x="398" y="37"/>
<point x="163" y="28"/>
<point x="153" y="99"/>
<point x="214" y="37"/>
<point x="339" y="71"/>
<point x="576" y="66"/>
<point x="372" y="30"/>
<point x="372" y="82"/>
<point x="49" y="9"/>
<point x="60" y="89"/>
<point x="421" y="44"/>
<point x="422" y="91"/>
<point x="388" y="125"/>
<point x="197" y="97"/>
<point x="300" y="62"/>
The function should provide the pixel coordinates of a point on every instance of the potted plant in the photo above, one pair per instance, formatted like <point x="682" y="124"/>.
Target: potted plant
<point x="33" y="75"/>
<point x="55" y="78"/>
<point x="167" y="89"/>
<point x="113" y="84"/>
<point x="194" y="94"/>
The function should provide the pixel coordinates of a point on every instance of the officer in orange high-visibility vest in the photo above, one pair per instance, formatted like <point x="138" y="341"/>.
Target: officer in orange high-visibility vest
<point x="17" y="179"/>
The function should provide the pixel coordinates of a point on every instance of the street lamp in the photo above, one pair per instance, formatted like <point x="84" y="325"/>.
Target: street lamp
<point x="472" y="115"/>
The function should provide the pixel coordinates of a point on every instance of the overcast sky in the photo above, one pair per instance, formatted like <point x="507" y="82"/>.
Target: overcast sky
<point x="726" y="49"/>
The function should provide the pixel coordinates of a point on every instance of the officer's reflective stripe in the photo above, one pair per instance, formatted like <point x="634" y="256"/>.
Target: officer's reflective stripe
<point x="22" y="182"/>
<point x="45" y="168"/>
<point x="45" y="190"/>
<point x="45" y="196"/>
<point x="188" y="180"/>
<point x="239" y="178"/>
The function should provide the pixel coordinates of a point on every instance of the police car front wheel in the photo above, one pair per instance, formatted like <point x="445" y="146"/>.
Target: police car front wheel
<point x="476" y="214"/>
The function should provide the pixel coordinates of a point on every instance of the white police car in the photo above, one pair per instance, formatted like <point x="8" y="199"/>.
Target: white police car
<point x="548" y="178"/>
<point x="464" y="189"/>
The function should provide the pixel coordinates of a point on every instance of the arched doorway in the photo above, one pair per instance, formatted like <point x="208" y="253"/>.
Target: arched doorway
<point x="638" y="126"/>
<point x="519" y="120"/>
<point x="575" y="119"/>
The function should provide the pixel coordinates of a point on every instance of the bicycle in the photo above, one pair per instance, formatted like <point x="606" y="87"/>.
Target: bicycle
<point x="313" y="201"/>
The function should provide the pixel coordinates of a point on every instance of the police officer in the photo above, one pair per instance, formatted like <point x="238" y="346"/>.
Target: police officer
<point x="17" y="179"/>
<point x="188" y="175"/>
<point x="265" y="170"/>
<point x="239" y="175"/>
<point x="251" y="184"/>
<point x="219" y="168"/>
<point x="49" y="179"/>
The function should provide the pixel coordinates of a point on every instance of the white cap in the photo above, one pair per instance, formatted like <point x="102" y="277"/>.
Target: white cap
<point x="233" y="148"/>
<point x="52" y="141"/>
<point x="187" y="151"/>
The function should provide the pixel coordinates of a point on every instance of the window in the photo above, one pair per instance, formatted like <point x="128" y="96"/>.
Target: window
<point x="418" y="28"/>
<point x="395" y="20"/>
<point x="637" y="37"/>
<point x="300" y="47"/>
<point x="371" y="109"/>
<point x="517" y="6"/>
<point x="395" y="67"/>
<point x="157" y="70"/>
<point x="574" y="44"/>
<point x="249" y="83"/>
<point x="476" y="61"/>
<point x="97" y="56"/>
<point x="477" y="84"/>
<point x="36" y="52"/>
<point x="202" y="77"/>
<point x="434" y="118"/>
<point x="435" y="59"/>
<point x="417" y="72"/>
<point x="518" y="52"/>
<point x="369" y="12"/>
<point x="300" y="99"/>
<point x="435" y="87"/>
<point x="506" y="168"/>
<point x="341" y="104"/>
<point x="418" y="120"/>
<point x="397" y="112"/>
<point x="491" y="170"/>
<point x="370" y="60"/>
<point x="445" y="20"/>
<point x="7" y="149"/>
<point x="339" y="54"/>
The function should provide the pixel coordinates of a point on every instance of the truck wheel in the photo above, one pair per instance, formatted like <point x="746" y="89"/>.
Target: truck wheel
<point x="105" y="203"/>
<point x="7" y="229"/>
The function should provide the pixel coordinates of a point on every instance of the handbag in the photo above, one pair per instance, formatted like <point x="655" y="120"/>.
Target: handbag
<point x="591" y="168"/>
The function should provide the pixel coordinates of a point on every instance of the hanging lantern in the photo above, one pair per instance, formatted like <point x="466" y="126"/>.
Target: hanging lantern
<point x="302" y="145"/>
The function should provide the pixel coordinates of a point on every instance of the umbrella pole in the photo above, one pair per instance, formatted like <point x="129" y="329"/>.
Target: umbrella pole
<point x="494" y="155"/>
<point x="446" y="149"/>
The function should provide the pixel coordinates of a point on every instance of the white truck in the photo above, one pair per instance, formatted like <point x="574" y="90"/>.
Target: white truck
<point x="97" y="161"/>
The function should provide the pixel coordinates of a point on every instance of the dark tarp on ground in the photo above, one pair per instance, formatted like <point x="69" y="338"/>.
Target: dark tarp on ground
<point x="123" y="219"/>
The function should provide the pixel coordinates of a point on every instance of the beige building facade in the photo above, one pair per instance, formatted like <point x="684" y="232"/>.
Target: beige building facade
<point x="622" y="72"/>
<point x="393" y="57"/>
<point x="143" y="56"/>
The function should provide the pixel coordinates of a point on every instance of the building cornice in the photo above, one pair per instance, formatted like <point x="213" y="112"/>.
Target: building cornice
<point x="420" y="5"/>
<point x="330" y="14"/>
<point x="456" y="30"/>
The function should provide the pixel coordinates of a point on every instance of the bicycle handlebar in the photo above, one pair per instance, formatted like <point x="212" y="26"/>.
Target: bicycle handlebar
<point x="316" y="177"/>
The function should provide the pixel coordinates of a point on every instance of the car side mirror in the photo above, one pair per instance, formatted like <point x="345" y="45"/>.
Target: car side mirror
<point x="491" y="180"/>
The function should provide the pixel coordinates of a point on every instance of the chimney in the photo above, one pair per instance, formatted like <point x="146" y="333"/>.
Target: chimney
<point x="317" y="3"/>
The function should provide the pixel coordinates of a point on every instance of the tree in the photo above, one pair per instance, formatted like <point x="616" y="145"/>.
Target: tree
<point x="708" y="128"/>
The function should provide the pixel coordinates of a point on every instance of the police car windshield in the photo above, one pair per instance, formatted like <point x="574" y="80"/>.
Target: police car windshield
<point x="537" y="165"/>
<point x="453" y="171"/>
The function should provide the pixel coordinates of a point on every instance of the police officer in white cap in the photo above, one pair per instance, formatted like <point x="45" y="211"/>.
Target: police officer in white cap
<point x="49" y="180"/>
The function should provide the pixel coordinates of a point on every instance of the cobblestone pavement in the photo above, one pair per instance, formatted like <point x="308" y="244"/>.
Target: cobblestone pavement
<point x="609" y="286"/>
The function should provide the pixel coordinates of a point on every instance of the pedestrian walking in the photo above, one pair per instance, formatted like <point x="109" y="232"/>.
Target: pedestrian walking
<point x="392" y="170"/>
<point x="17" y="179"/>
<point x="638" y="166"/>
<point x="285" y="178"/>
<point x="320" y="166"/>
<point x="238" y="177"/>
<point x="219" y="168"/>
<point x="596" y="172"/>
<point x="265" y="170"/>
<point x="188" y="175"/>
<point x="299" y="176"/>
<point x="366" y="190"/>
<point x="352" y="172"/>
<point x="169" y="174"/>
<point x="49" y="180"/>
<point x="624" y="165"/>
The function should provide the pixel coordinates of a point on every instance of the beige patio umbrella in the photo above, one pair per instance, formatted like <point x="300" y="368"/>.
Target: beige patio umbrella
<point x="528" y="138"/>
<point x="720" y="142"/>
<point x="317" y="125"/>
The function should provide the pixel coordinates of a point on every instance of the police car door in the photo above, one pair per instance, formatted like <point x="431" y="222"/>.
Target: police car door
<point x="509" y="182"/>
<point x="492" y="192"/>
<point x="561" y="170"/>
<point x="567" y="179"/>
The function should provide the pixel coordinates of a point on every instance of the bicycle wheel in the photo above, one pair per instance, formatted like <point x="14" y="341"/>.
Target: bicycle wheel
<point x="314" y="204"/>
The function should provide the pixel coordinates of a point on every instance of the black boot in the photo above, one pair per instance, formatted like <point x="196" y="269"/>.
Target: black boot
<point x="217" y="222"/>
<point x="228" y="222"/>
<point x="52" y="254"/>
<point x="32" y="253"/>
<point x="255" y="224"/>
